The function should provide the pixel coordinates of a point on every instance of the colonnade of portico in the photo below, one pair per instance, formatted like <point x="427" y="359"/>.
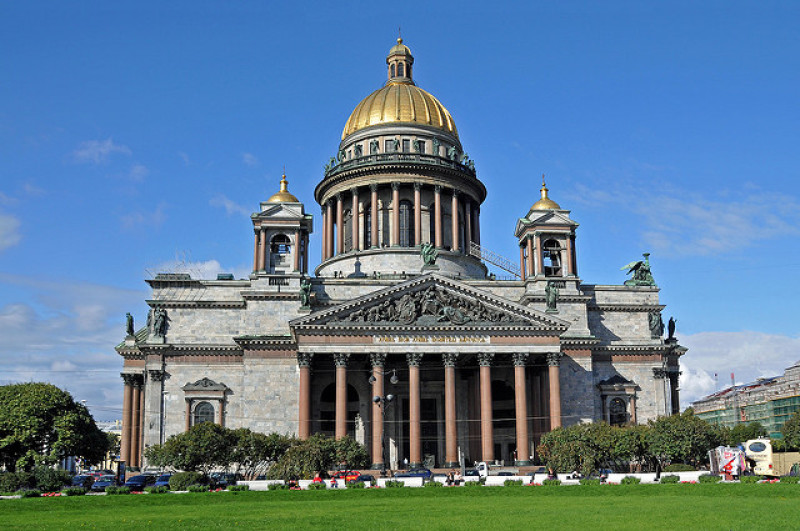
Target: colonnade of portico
<point x="412" y="385"/>
<point x="132" y="419"/>
<point x="341" y="233"/>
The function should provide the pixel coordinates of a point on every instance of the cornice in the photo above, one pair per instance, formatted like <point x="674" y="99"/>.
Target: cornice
<point x="625" y="307"/>
<point x="195" y="304"/>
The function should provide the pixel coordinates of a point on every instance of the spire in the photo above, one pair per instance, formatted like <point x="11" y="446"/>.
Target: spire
<point x="399" y="63"/>
<point x="545" y="203"/>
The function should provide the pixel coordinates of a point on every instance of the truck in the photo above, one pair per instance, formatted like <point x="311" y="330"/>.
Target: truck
<point x="762" y="461"/>
<point x="484" y="469"/>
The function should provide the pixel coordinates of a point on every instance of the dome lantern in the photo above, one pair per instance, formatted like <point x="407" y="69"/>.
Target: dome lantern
<point x="399" y="63"/>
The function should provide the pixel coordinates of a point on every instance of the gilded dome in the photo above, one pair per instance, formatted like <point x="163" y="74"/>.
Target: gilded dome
<point x="545" y="203"/>
<point x="400" y="100"/>
<point x="283" y="196"/>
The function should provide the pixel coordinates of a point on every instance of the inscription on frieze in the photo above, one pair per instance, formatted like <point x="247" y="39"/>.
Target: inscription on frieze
<point x="431" y="339"/>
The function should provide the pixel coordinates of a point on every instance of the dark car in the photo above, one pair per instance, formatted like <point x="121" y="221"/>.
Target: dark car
<point x="364" y="478"/>
<point x="415" y="473"/>
<point x="102" y="482"/>
<point x="163" y="480"/>
<point x="138" y="483"/>
<point x="83" y="481"/>
<point x="221" y="480"/>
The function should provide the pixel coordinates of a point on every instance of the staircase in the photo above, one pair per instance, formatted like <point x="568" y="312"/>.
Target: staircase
<point x="495" y="259"/>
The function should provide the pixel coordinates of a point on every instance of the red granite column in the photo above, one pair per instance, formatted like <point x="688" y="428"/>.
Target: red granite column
<point x="632" y="406"/>
<point x="414" y="431"/>
<point x="329" y="234"/>
<point x="339" y="224"/>
<point x="531" y="262"/>
<point x="553" y="362"/>
<point x="450" y="431"/>
<point x="454" y="218"/>
<point x="568" y="272"/>
<point x="304" y="414"/>
<point x="188" y="414"/>
<point x="437" y="224"/>
<point x="477" y="234"/>
<point x="468" y="224"/>
<point x="522" y="264"/>
<point x="297" y="247"/>
<point x="262" y="255"/>
<point x="341" y="394"/>
<point x="417" y="214"/>
<point x="127" y="410"/>
<point x="537" y="256"/>
<point x="395" y="239"/>
<point x="521" y="402"/>
<point x="374" y="214"/>
<point x="487" y="430"/>
<point x="378" y="360"/>
<point x="255" y="252"/>
<point x="356" y="220"/>
<point x="324" y="233"/>
<point x="136" y="435"/>
<point x="221" y="412"/>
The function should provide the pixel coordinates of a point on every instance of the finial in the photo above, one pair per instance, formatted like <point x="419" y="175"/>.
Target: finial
<point x="543" y="189"/>
<point x="543" y="179"/>
<point x="399" y="36"/>
<point x="284" y="182"/>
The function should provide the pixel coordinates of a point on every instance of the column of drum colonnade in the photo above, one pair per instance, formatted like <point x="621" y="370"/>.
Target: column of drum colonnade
<point x="485" y="360"/>
<point x="132" y="419"/>
<point x="333" y="220"/>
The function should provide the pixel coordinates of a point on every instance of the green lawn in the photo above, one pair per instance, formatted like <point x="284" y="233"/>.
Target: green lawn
<point x="759" y="506"/>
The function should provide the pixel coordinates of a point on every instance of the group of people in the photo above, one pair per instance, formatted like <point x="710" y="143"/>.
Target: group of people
<point x="453" y="478"/>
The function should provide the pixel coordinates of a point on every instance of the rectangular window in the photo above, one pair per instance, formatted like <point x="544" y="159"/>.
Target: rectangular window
<point x="406" y="145"/>
<point x="388" y="146"/>
<point x="421" y="146"/>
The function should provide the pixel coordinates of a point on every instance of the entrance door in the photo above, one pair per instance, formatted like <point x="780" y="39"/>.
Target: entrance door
<point x="430" y="429"/>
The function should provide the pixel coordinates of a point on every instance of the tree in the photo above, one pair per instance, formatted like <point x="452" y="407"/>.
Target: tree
<point x="203" y="447"/>
<point x="253" y="452"/>
<point x="742" y="433"/>
<point x="582" y="447"/>
<point x="684" y="438"/>
<point x="40" y="424"/>
<point x="791" y="431"/>
<point x="317" y="453"/>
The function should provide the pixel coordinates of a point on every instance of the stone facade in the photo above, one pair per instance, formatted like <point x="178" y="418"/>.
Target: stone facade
<point x="477" y="368"/>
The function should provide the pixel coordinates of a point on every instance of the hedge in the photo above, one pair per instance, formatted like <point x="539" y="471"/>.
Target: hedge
<point x="117" y="490"/>
<point x="197" y="488"/>
<point x="74" y="491"/>
<point x="513" y="483"/>
<point x="709" y="478"/>
<point x="679" y="467"/>
<point x="161" y="489"/>
<point x="590" y="481"/>
<point x="394" y="484"/>
<point x="551" y="482"/>
<point x="238" y="488"/>
<point x="182" y="480"/>
<point x="670" y="479"/>
<point x="750" y="479"/>
<point x="29" y="493"/>
<point x="630" y="480"/>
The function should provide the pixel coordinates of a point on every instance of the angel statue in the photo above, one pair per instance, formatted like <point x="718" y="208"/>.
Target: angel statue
<point x="641" y="272"/>
<point x="429" y="254"/>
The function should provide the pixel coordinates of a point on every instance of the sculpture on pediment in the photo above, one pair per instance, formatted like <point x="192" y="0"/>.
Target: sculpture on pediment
<point x="641" y="272"/>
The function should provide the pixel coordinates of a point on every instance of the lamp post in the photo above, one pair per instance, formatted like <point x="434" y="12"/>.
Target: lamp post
<point x="382" y="402"/>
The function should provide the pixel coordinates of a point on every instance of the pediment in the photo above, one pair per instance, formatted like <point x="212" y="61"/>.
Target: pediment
<point x="431" y="301"/>
<point x="205" y="384"/>
<point x="280" y="211"/>
<point x="559" y="218"/>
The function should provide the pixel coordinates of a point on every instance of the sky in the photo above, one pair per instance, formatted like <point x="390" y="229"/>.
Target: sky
<point x="138" y="137"/>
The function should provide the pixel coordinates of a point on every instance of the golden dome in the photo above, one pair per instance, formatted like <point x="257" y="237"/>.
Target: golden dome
<point x="545" y="203"/>
<point x="400" y="101"/>
<point x="283" y="196"/>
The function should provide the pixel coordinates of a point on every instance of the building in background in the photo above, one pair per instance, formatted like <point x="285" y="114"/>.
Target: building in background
<point x="770" y="401"/>
<point x="401" y="338"/>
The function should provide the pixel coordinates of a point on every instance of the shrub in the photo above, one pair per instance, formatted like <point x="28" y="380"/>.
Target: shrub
<point x="670" y="479"/>
<point x="355" y="484"/>
<point x="50" y="480"/>
<point x="630" y="480"/>
<point x="789" y="479"/>
<point x="588" y="481"/>
<point x="14" y="481"/>
<point x="317" y="486"/>
<point x="277" y="486"/>
<point x="679" y="467"/>
<point x="118" y="490"/>
<point x="238" y="488"/>
<point x="750" y="479"/>
<point x="74" y="491"/>
<point x="29" y="493"/>
<point x="709" y="478"/>
<point x="513" y="483"/>
<point x="394" y="484"/>
<point x="473" y="483"/>
<point x="433" y="484"/>
<point x="197" y="488"/>
<point x="161" y="489"/>
<point x="551" y="482"/>
<point x="182" y="480"/>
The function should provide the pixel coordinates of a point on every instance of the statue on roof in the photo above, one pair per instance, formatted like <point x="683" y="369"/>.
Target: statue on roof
<point x="305" y="293"/>
<point x="429" y="254"/>
<point x="656" y="325"/>
<point x="671" y="329"/>
<point x="128" y="324"/>
<point x="641" y="272"/>
<point x="551" y="296"/>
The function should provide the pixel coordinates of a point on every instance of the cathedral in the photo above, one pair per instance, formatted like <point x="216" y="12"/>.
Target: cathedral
<point x="400" y="337"/>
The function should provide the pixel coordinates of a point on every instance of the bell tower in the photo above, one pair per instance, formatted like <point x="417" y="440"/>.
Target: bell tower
<point x="282" y="229"/>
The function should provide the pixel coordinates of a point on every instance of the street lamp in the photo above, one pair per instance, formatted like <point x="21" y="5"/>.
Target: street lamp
<point x="382" y="402"/>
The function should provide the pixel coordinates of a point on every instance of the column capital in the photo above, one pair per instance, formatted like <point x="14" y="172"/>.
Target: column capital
<point x="437" y="189"/>
<point x="520" y="358"/>
<point x="456" y="193"/>
<point x="373" y="187"/>
<point x="449" y="359"/>
<point x="414" y="359"/>
<point x="157" y="375"/>
<point x="554" y="359"/>
<point x="128" y="378"/>
<point x="354" y="191"/>
<point x="304" y="359"/>
<point x="395" y="186"/>
<point x="338" y="197"/>
<point x="377" y="359"/>
<point x="340" y="359"/>
<point x="659" y="373"/>
<point x="417" y="186"/>
<point x="485" y="359"/>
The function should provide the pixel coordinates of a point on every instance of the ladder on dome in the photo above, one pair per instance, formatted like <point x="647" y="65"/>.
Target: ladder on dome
<point x="495" y="259"/>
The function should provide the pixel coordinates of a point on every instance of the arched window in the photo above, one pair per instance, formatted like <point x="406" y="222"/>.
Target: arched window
<point x="617" y="412"/>
<point x="400" y="70"/>
<point x="392" y="68"/>
<point x="367" y="226"/>
<point x="551" y="258"/>
<point x="406" y="224"/>
<point x="203" y="412"/>
<point x="432" y="222"/>
<point x="281" y="244"/>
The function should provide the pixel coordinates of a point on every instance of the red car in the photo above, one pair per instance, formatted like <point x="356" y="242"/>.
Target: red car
<point x="347" y="475"/>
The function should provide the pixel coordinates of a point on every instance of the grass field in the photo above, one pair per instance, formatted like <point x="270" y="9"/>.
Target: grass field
<point x="758" y="506"/>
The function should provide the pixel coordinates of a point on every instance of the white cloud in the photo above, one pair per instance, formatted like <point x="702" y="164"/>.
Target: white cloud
<point x="9" y="231"/>
<point x="749" y="355"/>
<point x="249" y="159"/>
<point x="32" y="189"/>
<point x="138" y="172"/>
<point x="7" y="199"/>
<point x="184" y="157"/>
<point x="151" y="219"/>
<point x="98" y="151"/>
<point x="230" y="206"/>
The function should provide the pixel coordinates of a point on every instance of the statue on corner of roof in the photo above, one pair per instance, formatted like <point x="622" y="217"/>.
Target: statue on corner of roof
<point x="641" y="272"/>
<point x="305" y="293"/>
<point x="128" y="324"/>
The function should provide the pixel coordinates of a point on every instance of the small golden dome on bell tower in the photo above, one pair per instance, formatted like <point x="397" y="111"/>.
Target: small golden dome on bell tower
<point x="545" y="203"/>
<point x="283" y="196"/>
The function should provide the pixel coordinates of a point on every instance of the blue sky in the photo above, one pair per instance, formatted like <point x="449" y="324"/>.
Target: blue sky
<point x="137" y="137"/>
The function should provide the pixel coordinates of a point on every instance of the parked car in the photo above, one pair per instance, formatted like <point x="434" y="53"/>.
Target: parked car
<point x="102" y="482"/>
<point x="347" y="475"/>
<point x="472" y="472"/>
<point x="162" y="480"/>
<point x="138" y="483"/>
<point x="415" y="473"/>
<point x="222" y="480"/>
<point x="83" y="481"/>
<point x="363" y="478"/>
